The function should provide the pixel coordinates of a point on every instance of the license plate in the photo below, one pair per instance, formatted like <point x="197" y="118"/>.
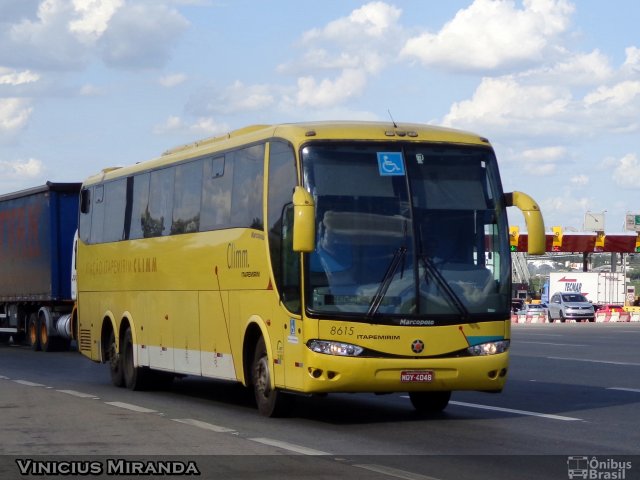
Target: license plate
<point x="417" y="376"/>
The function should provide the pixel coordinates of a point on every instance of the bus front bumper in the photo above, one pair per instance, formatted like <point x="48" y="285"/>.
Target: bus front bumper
<point x="328" y="373"/>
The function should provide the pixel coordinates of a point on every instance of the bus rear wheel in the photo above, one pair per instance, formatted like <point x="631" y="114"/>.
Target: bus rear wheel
<point x="115" y="362"/>
<point x="429" y="402"/>
<point x="270" y="401"/>
<point x="135" y="378"/>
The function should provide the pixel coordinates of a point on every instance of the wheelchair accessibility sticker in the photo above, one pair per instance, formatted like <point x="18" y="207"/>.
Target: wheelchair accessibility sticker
<point x="390" y="163"/>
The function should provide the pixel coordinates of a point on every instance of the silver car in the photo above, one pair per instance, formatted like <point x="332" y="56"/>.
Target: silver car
<point x="570" y="306"/>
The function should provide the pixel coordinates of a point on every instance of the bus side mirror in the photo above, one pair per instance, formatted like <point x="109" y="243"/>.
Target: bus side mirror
<point x="533" y="219"/>
<point x="85" y="200"/>
<point x="304" y="222"/>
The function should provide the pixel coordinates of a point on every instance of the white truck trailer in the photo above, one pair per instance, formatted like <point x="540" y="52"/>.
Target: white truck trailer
<point x="600" y="288"/>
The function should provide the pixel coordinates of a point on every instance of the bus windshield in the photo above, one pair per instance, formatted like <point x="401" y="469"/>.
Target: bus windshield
<point x="407" y="233"/>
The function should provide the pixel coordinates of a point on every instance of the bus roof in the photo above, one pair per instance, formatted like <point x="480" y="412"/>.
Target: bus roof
<point x="297" y="134"/>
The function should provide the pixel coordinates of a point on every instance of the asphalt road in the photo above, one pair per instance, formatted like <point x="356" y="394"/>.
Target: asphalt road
<point x="573" y="393"/>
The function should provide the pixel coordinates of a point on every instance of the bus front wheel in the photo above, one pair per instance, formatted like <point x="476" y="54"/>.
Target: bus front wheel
<point x="270" y="401"/>
<point x="429" y="402"/>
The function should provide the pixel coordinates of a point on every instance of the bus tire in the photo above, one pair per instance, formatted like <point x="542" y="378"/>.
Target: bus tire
<point x="429" y="402"/>
<point x="270" y="402"/>
<point x="115" y="362"/>
<point x="34" y="332"/>
<point x="134" y="377"/>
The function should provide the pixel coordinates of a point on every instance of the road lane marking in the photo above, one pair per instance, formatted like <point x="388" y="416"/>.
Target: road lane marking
<point x="609" y="362"/>
<point x="128" y="406"/>
<point x="393" y="472"/>
<point x="29" y="384"/>
<point x="622" y="389"/>
<point x="558" y="344"/>
<point x="204" y="425"/>
<point x="289" y="446"/>
<point x="78" y="394"/>
<point x="519" y="412"/>
<point x="544" y="334"/>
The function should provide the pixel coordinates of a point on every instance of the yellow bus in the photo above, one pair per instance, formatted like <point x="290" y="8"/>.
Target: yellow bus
<point x="304" y="258"/>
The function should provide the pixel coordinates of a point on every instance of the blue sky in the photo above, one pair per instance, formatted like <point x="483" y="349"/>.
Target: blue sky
<point x="554" y="84"/>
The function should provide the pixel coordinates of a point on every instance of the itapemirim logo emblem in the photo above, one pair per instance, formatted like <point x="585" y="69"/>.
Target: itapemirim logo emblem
<point x="594" y="468"/>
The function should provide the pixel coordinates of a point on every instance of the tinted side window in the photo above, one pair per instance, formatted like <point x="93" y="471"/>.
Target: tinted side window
<point x="284" y="262"/>
<point x="188" y="190"/>
<point x="216" y="194"/>
<point x="97" y="216"/>
<point x="157" y="219"/>
<point x="139" y="205"/>
<point x="115" y="194"/>
<point x="248" y="184"/>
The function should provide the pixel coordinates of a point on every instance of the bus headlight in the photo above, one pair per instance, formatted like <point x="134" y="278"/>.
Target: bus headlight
<point x="334" y="348"/>
<point x="489" y="348"/>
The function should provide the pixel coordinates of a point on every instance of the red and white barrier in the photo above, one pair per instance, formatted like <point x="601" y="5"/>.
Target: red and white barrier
<point x="529" y="318"/>
<point x="613" y="317"/>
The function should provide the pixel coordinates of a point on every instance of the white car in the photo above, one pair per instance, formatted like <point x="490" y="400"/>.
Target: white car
<point x="534" y="309"/>
<point x="570" y="306"/>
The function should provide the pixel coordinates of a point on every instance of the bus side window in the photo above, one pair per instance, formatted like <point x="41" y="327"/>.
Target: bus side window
<point x="215" y="211"/>
<point x="290" y="265"/>
<point x="284" y="261"/>
<point x="157" y="219"/>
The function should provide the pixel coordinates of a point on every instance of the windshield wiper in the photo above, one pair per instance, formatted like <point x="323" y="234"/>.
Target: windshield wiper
<point x="430" y="268"/>
<point x="376" y="301"/>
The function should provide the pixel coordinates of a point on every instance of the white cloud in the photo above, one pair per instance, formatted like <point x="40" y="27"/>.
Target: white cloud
<point x="616" y="96"/>
<point x="201" y="127"/>
<point x="172" y="80"/>
<point x="235" y="98"/>
<point x="14" y="115"/>
<point x="18" y="169"/>
<point x="538" y="162"/>
<point x="89" y="90"/>
<point x="491" y="35"/>
<point x="544" y="154"/>
<point x="540" y="169"/>
<point x="171" y="124"/>
<point x="505" y="103"/>
<point x="330" y="92"/>
<point x="580" y="180"/>
<point x="627" y="172"/>
<point x="632" y="61"/>
<point x="92" y="17"/>
<point x="141" y="36"/>
<point x="372" y="20"/>
<point x="69" y="34"/>
<point x="13" y="77"/>
<point x="565" y="206"/>
<point x="575" y="70"/>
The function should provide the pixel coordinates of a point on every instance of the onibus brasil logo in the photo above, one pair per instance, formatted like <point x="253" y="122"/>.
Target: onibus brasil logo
<point x="595" y="468"/>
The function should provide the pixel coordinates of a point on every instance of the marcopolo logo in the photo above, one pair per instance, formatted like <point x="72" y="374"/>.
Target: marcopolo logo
<point x="597" y="468"/>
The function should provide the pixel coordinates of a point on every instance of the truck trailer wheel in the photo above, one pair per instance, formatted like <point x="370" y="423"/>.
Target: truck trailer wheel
<point x="34" y="332"/>
<point x="46" y="342"/>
